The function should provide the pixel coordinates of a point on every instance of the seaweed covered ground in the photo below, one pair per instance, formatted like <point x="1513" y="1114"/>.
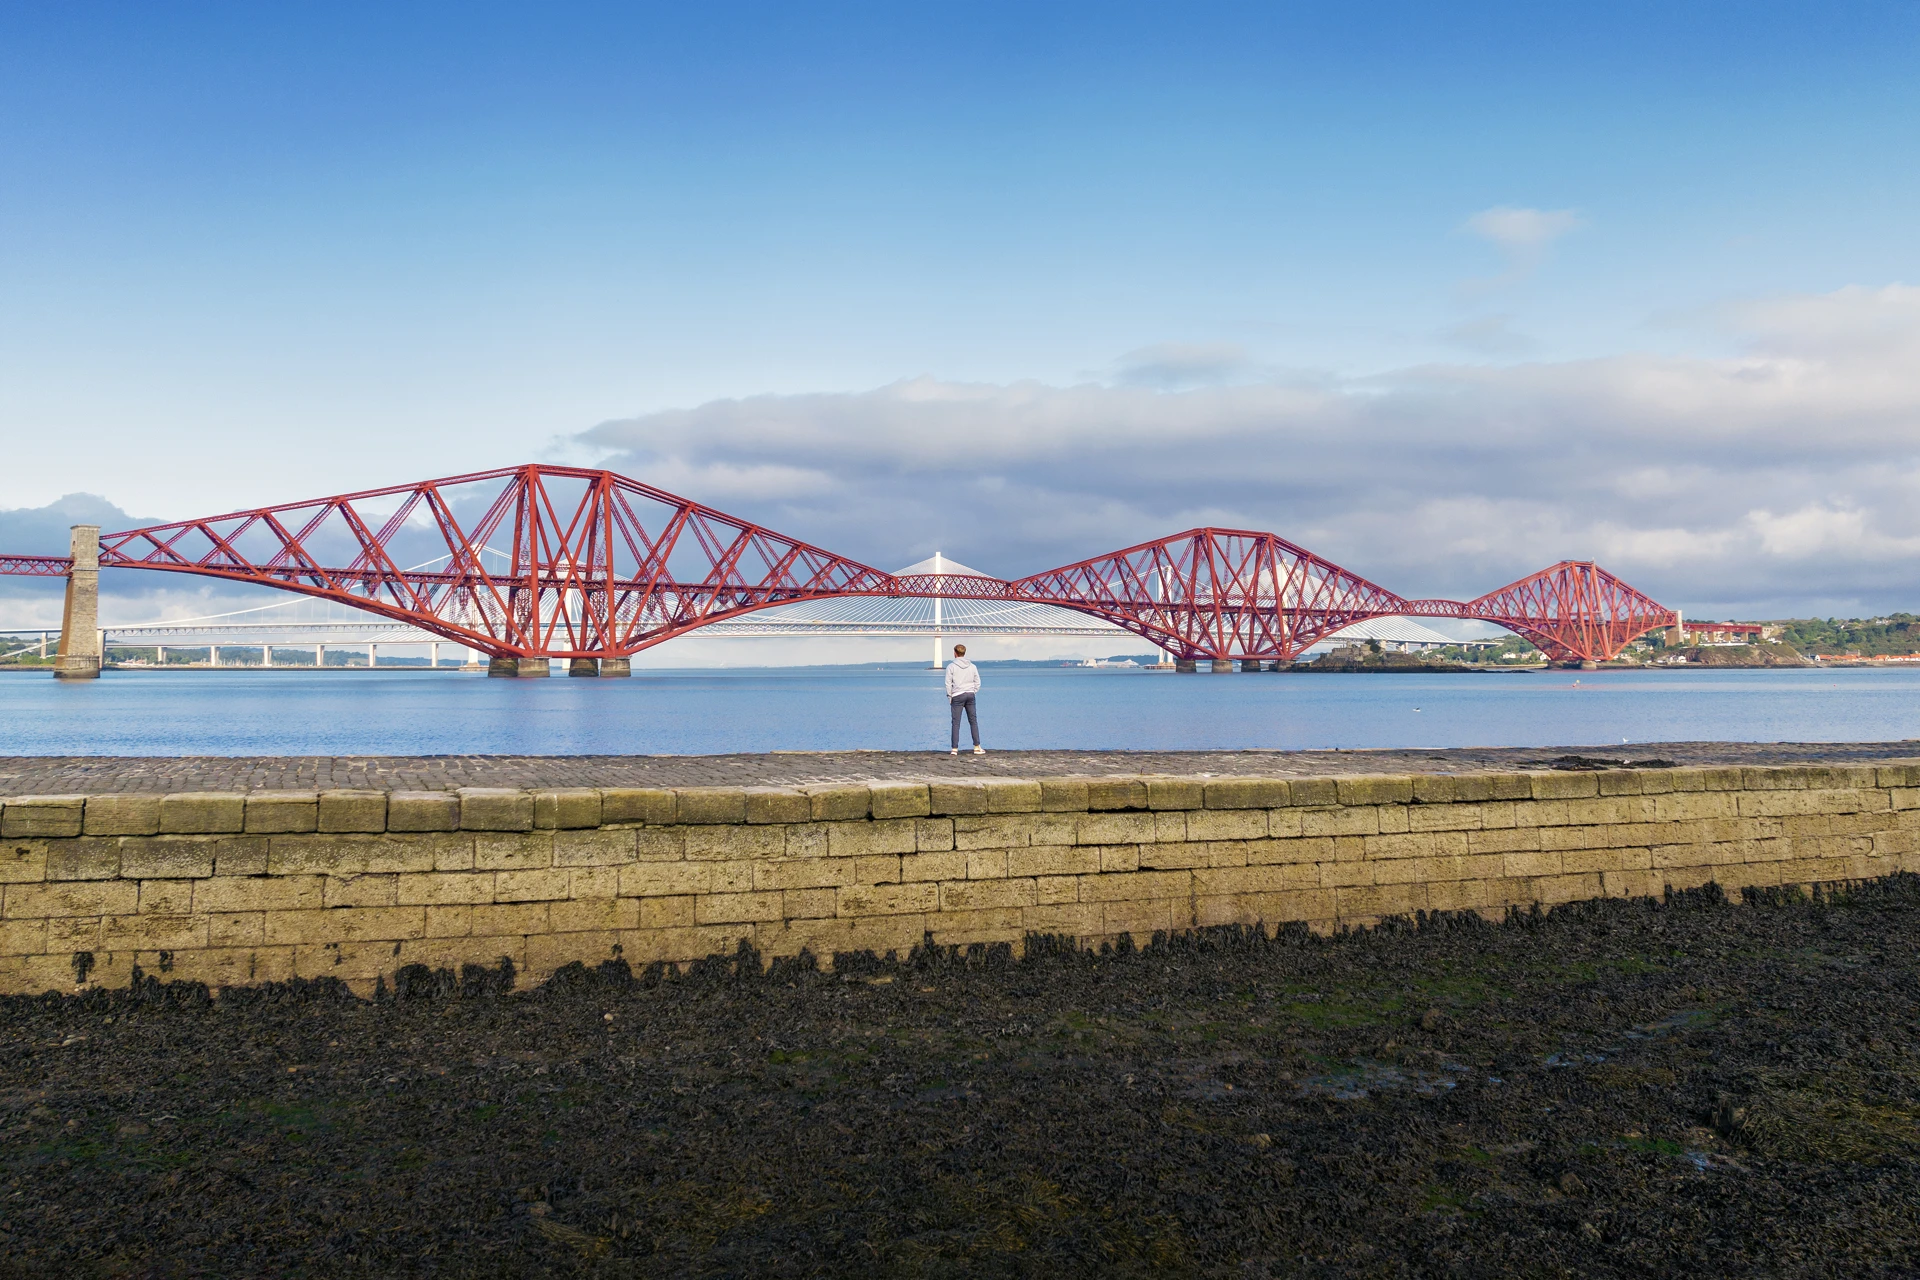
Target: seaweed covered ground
<point x="1616" y="1088"/>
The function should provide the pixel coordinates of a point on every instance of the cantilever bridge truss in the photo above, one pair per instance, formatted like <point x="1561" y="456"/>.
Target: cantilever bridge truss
<point x="569" y="562"/>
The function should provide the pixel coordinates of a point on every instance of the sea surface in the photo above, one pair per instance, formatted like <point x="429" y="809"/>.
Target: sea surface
<point x="422" y="712"/>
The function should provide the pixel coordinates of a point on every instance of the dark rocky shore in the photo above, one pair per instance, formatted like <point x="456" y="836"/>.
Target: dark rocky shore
<point x="1615" y="1089"/>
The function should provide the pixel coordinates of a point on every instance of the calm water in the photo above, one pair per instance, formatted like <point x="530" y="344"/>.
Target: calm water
<point x="834" y="708"/>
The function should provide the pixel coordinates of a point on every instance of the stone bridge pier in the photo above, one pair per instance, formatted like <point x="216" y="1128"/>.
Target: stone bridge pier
<point x="80" y="646"/>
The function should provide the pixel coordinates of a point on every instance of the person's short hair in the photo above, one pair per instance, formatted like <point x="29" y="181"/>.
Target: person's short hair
<point x="959" y="651"/>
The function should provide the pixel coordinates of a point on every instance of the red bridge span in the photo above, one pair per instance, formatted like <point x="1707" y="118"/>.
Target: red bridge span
<point x="568" y="562"/>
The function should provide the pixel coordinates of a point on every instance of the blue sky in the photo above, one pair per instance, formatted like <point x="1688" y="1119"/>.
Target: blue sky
<point x="254" y="253"/>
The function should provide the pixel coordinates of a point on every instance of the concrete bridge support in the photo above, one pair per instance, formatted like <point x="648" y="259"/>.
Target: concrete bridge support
<point x="615" y="667"/>
<point x="506" y="668"/>
<point x="1222" y="665"/>
<point x="535" y="668"/>
<point x="583" y="667"/>
<point x="80" y="649"/>
<point x="1185" y="666"/>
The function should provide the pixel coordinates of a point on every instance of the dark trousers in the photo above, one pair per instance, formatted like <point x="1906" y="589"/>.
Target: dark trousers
<point x="964" y="702"/>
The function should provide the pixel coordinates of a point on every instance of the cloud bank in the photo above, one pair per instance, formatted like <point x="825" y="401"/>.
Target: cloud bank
<point x="1779" y="480"/>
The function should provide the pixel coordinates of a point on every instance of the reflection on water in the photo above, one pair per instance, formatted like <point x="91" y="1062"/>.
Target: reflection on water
<point x="902" y="708"/>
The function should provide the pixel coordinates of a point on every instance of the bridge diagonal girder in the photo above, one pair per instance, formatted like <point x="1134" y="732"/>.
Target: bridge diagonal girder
<point x="600" y="565"/>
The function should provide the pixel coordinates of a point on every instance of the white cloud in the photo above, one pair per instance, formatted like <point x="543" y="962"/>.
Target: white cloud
<point x="1782" y="478"/>
<point x="1522" y="231"/>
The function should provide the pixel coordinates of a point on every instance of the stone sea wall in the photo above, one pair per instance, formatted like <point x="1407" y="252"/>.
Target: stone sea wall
<point x="238" y="888"/>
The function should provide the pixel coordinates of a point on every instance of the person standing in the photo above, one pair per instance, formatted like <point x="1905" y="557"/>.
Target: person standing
<point x="963" y="682"/>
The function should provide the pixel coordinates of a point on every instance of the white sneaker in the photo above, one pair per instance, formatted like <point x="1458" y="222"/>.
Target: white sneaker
<point x="954" y="752"/>
<point x="979" y="751"/>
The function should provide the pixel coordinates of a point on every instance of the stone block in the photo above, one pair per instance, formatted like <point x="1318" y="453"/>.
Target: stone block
<point x="1310" y="793"/>
<point x="1622" y="782"/>
<point x="1374" y="789"/>
<point x="777" y="804"/>
<point x="593" y="882"/>
<point x="1136" y="886"/>
<point x="735" y="842"/>
<point x="899" y="800"/>
<point x="27" y="816"/>
<point x="1340" y="822"/>
<point x="346" y="924"/>
<point x="513" y="851"/>
<point x="667" y="844"/>
<point x="1171" y="857"/>
<point x="166" y="897"/>
<point x="1115" y="828"/>
<point x="1176" y="793"/>
<point x="530" y="886"/>
<point x="504" y="919"/>
<point x="666" y="913"/>
<point x="1445" y="817"/>
<point x="868" y="839"/>
<point x="122" y="815"/>
<point x="24" y="861"/>
<point x="665" y="879"/>
<point x="707" y="806"/>
<point x="577" y="915"/>
<point x="1067" y="919"/>
<point x="282" y="812"/>
<point x="654" y="806"/>
<point x="83" y="858"/>
<point x="85" y="898"/>
<point x="1012" y="795"/>
<point x="566" y="808"/>
<point x="444" y="888"/>
<point x="1227" y="824"/>
<point x="241" y="855"/>
<point x="991" y="832"/>
<point x="986" y="864"/>
<point x="808" y="904"/>
<point x="932" y="866"/>
<point x="23" y="937"/>
<point x="495" y="809"/>
<point x="843" y="803"/>
<point x="738" y="908"/>
<point x="166" y="858"/>
<point x="933" y="835"/>
<point x="888" y="899"/>
<point x="601" y="847"/>
<point x="378" y="889"/>
<point x="1337" y="875"/>
<point x="1144" y="918"/>
<point x="1063" y="795"/>
<point x="1108" y="794"/>
<point x="1116" y="857"/>
<point x="348" y="810"/>
<point x="1562" y="786"/>
<point x="1436" y="789"/>
<point x="348" y="854"/>
<point x="805" y="873"/>
<point x="956" y="798"/>
<point x="730" y="877"/>
<point x="259" y="893"/>
<point x="884" y="869"/>
<point x="1379" y="900"/>
<point x="423" y="811"/>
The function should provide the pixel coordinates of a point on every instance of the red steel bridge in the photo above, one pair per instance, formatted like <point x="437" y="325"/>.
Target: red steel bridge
<point x="588" y="564"/>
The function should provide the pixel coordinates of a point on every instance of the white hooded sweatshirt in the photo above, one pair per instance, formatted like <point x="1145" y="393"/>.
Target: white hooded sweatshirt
<point x="962" y="677"/>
